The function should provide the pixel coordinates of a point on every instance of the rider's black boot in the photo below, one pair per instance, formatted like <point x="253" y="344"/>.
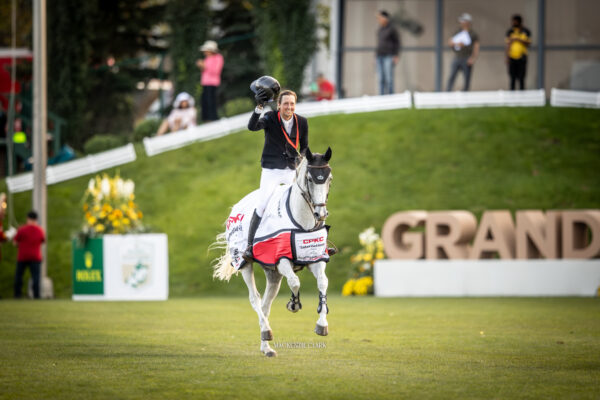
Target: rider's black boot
<point x="254" y="223"/>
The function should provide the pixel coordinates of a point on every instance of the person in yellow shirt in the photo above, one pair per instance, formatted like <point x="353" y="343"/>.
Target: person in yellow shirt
<point x="518" y="39"/>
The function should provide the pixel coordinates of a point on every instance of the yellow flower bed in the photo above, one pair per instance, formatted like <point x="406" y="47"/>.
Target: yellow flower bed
<point x="361" y="282"/>
<point x="109" y="207"/>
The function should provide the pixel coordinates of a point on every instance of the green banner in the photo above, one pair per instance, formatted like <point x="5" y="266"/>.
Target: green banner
<point x="88" y="267"/>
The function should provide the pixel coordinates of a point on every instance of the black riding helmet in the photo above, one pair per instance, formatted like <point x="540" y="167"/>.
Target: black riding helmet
<point x="268" y="84"/>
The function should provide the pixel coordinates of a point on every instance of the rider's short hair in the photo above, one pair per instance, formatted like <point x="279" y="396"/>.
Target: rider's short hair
<point x="286" y="93"/>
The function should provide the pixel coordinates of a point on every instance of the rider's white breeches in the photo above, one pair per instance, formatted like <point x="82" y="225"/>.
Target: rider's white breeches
<point x="269" y="180"/>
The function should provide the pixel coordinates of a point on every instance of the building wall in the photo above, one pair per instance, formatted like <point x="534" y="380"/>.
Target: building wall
<point x="569" y="25"/>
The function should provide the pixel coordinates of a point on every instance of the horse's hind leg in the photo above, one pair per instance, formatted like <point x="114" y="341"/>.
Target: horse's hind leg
<point x="285" y="268"/>
<point x="318" y="270"/>
<point x="271" y="290"/>
<point x="266" y="333"/>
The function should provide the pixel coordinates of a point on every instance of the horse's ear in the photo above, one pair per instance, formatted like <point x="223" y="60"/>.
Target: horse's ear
<point x="309" y="155"/>
<point x="327" y="155"/>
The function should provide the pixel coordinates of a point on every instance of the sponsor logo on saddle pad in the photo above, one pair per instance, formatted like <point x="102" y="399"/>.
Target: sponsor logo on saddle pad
<point x="310" y="246"/>
<point x="234" y="219"/>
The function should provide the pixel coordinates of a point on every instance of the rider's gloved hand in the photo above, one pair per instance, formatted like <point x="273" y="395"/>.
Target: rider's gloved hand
<point x="262" y="97"/>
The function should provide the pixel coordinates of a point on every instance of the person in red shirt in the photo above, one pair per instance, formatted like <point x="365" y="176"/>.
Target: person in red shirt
<point x="29" y="239"/>
<point x="325" y="89"/>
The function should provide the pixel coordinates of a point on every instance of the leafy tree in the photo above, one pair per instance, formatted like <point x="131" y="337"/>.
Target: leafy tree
<point x="189" y="25"/>
<point x="121" y="31"/>
<point x="286" y="38"/>
<point x="24" y="20"/>
<point x="236" y="32"/>
<point x="68" y="75"/>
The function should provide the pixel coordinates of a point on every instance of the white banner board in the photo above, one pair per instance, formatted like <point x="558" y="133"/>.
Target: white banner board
<point x="135" y="267"/>
<point x="480" y="278"/>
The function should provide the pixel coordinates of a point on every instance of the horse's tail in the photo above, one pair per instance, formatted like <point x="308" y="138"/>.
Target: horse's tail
<point x="222" y="268"/>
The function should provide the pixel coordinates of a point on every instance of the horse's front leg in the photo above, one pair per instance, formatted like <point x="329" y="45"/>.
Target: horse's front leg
<point x="271" y="290"/>
<point x="318" y="270"/>
<point x="266" y="333"/>
<point x="285" y="268"/>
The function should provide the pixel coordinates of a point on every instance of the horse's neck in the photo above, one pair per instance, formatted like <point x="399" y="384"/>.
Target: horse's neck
<point x="300" y="209"/>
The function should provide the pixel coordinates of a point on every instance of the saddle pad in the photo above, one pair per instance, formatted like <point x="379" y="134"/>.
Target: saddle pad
<point x="278" y="235"/>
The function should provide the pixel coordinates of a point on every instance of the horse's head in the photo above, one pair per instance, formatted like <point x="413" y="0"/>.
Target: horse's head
<point x="314" y="177"/>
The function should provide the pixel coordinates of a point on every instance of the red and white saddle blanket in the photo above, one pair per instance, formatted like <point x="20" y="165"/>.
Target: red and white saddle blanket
<point x="278" y="235"/>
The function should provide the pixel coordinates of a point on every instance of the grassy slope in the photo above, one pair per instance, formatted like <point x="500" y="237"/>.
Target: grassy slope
<point x="377" y="348"/>
<point x="383" y="162"/>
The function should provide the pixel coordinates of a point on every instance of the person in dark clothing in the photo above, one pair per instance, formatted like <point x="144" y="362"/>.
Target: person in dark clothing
<point x="286" y="138"/>
<point x="29" y="239"/>
<point x="518" y="39"/>
<point x="387" y="55"/>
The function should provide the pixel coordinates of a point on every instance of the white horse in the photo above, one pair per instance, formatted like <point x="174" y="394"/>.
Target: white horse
<point x="283" y="252"/>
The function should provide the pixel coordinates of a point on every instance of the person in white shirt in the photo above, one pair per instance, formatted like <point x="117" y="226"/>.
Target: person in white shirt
<point x="181" y="117"/>
<point x="465" y="45"/>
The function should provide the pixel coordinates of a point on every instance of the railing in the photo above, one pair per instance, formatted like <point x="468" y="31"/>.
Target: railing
<point x="74" y="169"/>
<point x="497" y="98"/>
<point x="574" y="98"/>
<point x="225" y="126"/>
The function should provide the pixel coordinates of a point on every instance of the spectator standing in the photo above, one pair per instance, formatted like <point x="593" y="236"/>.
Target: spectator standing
<point x="211" y="67"/>
<point x="29" y="239"/>
<point x="323" y="89"/>
<point x="387" y="55"/>
<point x="181" y="117"/>
<point x="518" y="39"/>
<point x="465" y="45"/>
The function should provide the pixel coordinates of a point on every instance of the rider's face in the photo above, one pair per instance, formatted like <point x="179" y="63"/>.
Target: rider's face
<point x="287" y="106"/>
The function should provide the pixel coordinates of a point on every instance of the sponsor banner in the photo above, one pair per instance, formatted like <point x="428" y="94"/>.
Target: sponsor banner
<point x="310" y="246"/>
<point x="88" y="268"/>
<point x="134" y="267"/>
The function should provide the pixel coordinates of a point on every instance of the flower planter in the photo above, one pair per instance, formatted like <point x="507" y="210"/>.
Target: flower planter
<point x="121" y="267"/>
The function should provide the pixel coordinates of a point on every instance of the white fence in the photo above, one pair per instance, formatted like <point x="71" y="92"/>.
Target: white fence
<point x="212" y="130"/>
<point x="76" y="168"/>
<point x="225" y="126"/>
<point x="497" y="98"/>
<point x="574" y="98"/>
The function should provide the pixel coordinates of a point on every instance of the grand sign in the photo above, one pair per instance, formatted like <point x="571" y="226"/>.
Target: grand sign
<point x="434" y="235"/>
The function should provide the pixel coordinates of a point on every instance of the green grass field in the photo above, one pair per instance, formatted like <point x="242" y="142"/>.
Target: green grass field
<point x="377" y="348"/>
<point x="472" y="159"/>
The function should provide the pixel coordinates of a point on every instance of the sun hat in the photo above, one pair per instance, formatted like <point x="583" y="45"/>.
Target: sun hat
<point x="465" y="17"/>
<point x="210" y="45"/>
<point x="183" y="96"/>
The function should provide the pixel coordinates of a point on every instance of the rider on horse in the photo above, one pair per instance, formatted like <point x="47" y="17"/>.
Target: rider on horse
<point x="286" y="139"/>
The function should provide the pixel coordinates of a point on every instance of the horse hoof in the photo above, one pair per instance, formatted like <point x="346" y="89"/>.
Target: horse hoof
<point x="294" y="307"/>
<point x="321" y="330"/>
<point x="266" y="335"/>
<point x="271" y="353"/>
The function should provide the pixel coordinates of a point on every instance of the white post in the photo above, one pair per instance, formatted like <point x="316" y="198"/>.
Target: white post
<point x="40" y="143"/>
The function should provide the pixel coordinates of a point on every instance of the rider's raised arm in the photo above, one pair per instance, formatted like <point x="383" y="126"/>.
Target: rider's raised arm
<point x="256" y="123"/>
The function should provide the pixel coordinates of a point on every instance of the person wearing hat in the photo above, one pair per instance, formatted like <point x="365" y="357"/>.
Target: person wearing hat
<point x="181" y="117"/>
<point x="388" y="48"/>
<point x="286" y="138"/>
<point x="465" y="45"/>
<point x="211" y="67"/>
